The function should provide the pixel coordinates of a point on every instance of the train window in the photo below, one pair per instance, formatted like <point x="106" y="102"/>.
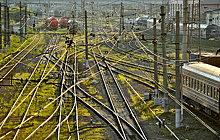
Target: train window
<point x="208" y="90"/>
<point x="201" y="87"/>
<point x="192" y="82"/>
<point x="218" y="93"/>
<point x="211" y="91"/>
<point x="198" y="83"/>
<point x="195" y="81"/>
<point x="214" y="92"/>
<point x="186" y="82"/>
<point x="204" y="91"/>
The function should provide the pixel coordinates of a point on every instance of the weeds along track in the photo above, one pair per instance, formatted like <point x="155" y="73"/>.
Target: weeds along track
<point x="50" y="51"/>
<point x="132" y="65"/>
<point x="66" y="101"/>
<point x="123" y="106"/>
<point x="119" y="102"/>
<point x="8" y="67"/>
<point x="149" y="82"/>
<point x="26" y="99"/>
<point x="111" y="114"/>
<point x="135" y="51"/>
<point x="121" y="97"/>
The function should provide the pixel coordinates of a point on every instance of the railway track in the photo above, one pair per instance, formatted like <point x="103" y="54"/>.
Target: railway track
<point x="117" y="113"/>
<point x="33" y="91"/>
<point x="124" y="99"/>
<point x="109" y="106"/>
<point x="7" y="68"/>
<point x="172" y="98"/>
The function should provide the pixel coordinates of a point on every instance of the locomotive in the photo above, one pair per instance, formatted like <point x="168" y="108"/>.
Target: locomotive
<point x="72" y="26"/>
<point x="51" y="23"/>
<point x="63" y="22"/>
<point x="201" y="83"/>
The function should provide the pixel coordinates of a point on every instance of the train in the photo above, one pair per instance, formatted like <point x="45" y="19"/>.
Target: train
<point x="206" y="31"/>
<point x="63" y="21"/>
<point x="72" y="26"/>
<point x="51" y="23"/>
<point x="208" y="58"/>
<point x="201" y="86"/>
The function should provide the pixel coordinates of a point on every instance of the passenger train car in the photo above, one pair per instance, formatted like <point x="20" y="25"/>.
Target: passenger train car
<point x="201" y="83"/>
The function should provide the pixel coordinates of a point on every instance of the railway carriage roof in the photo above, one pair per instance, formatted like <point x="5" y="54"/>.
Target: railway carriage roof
<point x="205" y="68"/>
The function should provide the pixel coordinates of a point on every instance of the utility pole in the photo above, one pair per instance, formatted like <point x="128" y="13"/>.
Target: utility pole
<point x="21" y="31"/>
<point x="0" y="28"/>
<point x="188" y="19"/>
<point x="75" y="8"/>
<point x="120" y="21"/>
<point x="92" y="17"/>
<point x="199" y="34"/>
<point x="83" y="14"/>
<point x="5" y="30"/>
<point x="192" y="22"/>
<point x="86" y="41"/>
<point x="97" y="16"/>
<point x="123" y="26"/>
<point x="177" y="110"/>
<point x="184" y="42"/>
<point x="8" y="25"/>
<point x="25" y="21"/>
<point x="101" y="13"/>
<point x="163" y="38"/>
<point x="155" y="65"/>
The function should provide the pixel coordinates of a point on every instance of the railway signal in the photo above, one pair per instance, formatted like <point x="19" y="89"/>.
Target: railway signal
<point x="69" y="41"/>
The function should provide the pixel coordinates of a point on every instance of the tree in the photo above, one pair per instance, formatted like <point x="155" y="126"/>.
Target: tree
<point x="15" y="13"/>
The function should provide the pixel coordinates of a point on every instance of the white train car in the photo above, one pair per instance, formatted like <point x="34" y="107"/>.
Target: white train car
<point x="201" y="83"/>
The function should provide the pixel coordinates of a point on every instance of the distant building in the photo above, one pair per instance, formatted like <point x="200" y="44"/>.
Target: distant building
<point x="213" y="17"/>
<point x="206" y="6"/>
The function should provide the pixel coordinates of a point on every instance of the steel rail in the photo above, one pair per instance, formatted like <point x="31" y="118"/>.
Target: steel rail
<point x="110" y="110"/>
<point x="109" y="98"/>
<point x="124" y="99"/>
<point x="19" y="61"/>
<point x="33" y="96"/>
<point x="10" y="112"/>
